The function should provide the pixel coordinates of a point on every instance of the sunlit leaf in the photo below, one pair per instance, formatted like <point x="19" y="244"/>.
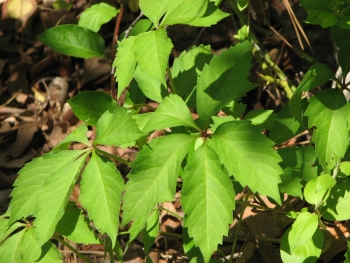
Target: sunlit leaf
<point x="10" y="250"/>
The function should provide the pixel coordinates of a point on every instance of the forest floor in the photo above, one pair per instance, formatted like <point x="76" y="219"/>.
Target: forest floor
<point x="35" y="83"/>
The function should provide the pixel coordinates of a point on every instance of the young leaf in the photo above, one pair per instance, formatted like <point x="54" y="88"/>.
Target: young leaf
<point x="223" y="80"/>
<point x="186" y="69"/>
<point x="316" y="189"/>
<point x="50" y="210"/>
<point x="89" y="106"/>
<point x="78" y="135"/>
<point x="117" y="128"/>
<point x="284" y="127"/>
<point x="184" y="11"/>
<point x="171" y="112"/>
<point x="154" y="9"/>
<point x="101" y="189"/>
<point x="152" y="88"/>
<point x="207" y="198"/>
<point x="10" y="250"/>
<point x="150" y="232"/>
<point x="32" y="252"/>
<point x="31" y="179"/>
<point x="97" y="15"/>
<point x="125" y="64"/>
<point x="75" y="226"/>
<point x="248" y="156"/>
<point x="309" y="252"/>
<point x="316" y="75"/>
<point x="73" y="40"/>
<point x="337" y="204"/>
<point x="152" y="50"/>
<point x="328" y="112"/>
<point x="153" y="176"/>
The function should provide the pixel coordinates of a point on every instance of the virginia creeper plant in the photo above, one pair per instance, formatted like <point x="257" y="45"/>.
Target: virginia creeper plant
<point x="213" y="156"/>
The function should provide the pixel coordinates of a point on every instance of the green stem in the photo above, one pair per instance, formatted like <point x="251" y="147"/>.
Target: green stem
<point x="171" y="212"/>
<point x="265" y="208"/>
<point x="173" y="88"/>
<point x="76" y="252"/>
<point x="113" y="157"/>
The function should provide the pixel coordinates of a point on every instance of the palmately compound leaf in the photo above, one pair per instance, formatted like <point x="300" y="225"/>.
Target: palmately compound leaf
<point x="309" y="252"/>
<point x="101" y="189"/>
<point x="207" y="198"/>
<point x="223" y="80"/>
<point x="153" y="176"/>
<point x="186" y="68"/>
<point x="32" y="252"/>
<point x="117" y="128"/>
<point x="316" y="11"/>
<point x="75" y="226"/>
<point x="171" y="112"/>
<point x="154" y="9"/>
<point x="10" y="250"/>
<point x="89" y="106"/>
<point x="74" y="40"/>
<point x="125" y="64"/>
<point x="184" y="11"/>
<point x="337" y="204"/>
<point x="152" y="50"/>
<point x="53" y="198"/>
<point x="97" y="15"/>
<point x="328" y="113"/>
<point x="31" y="179"/>
<point x="248" y="156"/>
<point x="316" y="75"/>
<point x="78" y="135"/>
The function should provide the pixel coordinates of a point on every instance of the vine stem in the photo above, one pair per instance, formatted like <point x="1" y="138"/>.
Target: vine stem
<point x="113" y="157"/>
<point x="170" y="212"/>
<point x="76" y="252"/>
<point x="172" y="84"/>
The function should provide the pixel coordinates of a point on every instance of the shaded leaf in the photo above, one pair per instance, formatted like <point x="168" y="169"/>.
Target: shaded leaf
<point x="207" y="198"/>
<point x="223" y="80"/>
<point x="50" y="210"/>
<point x="337" y="204"/>
<point x="344" y="58"/>
<point x="97" y="15"/>
<point x="73" y="40"/>
<point x="101" y="189"/>
<point x="89" y="106"/>
<point x="328" y="112"/>
<point x="248" y="156"/>
<point x="171" y="112"/>
<point x="150" y="232"/>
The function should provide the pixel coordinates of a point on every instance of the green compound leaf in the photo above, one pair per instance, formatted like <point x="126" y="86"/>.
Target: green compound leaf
<point x="97" y="15"/>
<point x="153" y="176"/>
<point x="302" y="230"/>
<point x="78" y="135"/>
<point x="117" y="128"/>
<point x="316" y="189"/>
<point x="154" y="9"/>
<point x="152" y="50"/>
<point x="50" y="210"/>
<point x="125" y="64"/>
<point x="316" y="75"/>
<point x="75" y="226"/>
<point x="31" y="179"/>
<point x="73" y="40"/>
<point x="152" y="88"/>
<point x="89" y="106"/>
<point x="207" y="198"/>
<point x="337" y="204"/>
<point x="32" y="252"/>
<point x="223" y="80"/>
<point x="328" y="112"/>
<point x="248" y="156"/>
<point x="186" y="68"/>
<point x="318" y="12"/>
<point x="101" y="189"/>
<point x="184" y="11"/>
<point x="285" y="127"/>
<point x="308" y="253"/>
<point x="171" y="112"/>
<point x="10" y="250"/>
